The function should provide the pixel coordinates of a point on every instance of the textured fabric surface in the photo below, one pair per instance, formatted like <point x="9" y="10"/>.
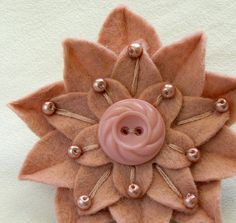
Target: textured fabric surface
<point x="40" y="25"/>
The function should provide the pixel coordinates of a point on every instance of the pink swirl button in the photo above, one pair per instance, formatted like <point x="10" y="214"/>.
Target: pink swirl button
<point x="131" y="132"/>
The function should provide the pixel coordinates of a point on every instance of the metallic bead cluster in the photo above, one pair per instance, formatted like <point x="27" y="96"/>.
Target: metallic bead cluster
<point x="99" y="85"/>
<point x="135" y="50"/>
<point x="193" y="154"/>
<point x="221" y="105"/>
<point x="168" y="91"/>
<point x="48" y="108"/>
<point x="74" y="152"/>
<point x="190" y="201"/>
<point x="84" y="202"/>
<point x="134" y="190"/>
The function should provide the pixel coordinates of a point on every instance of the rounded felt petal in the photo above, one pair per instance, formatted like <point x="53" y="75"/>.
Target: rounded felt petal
<point x="48" y="162"/>
<point x="75" y="103"/>
<point x="100" y="217"/>
<point x="95" y="157"/>
<point x="147" y="72"/>
<point x="97" y="102"/>
<point x="140" y="211"/>
<point x="161" y="193"/>
<point x="66" y="210"/>
<point x="200" y="131"/>
<point x="169" y="108"/>
<point x="221" y="86"/>
<point x="170" y="158"/>
<point x="84" y="62"/>
<point x="29" y="108"/>
<point x="105" y="196"/>
<point x="219" y="152"/>
<point x="122" y="27"/>
<point x="122" y="177"/>
<point x="183" y="64"/>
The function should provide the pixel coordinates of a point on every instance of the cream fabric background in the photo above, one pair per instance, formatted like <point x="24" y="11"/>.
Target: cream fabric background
<point x="31" y="56"/>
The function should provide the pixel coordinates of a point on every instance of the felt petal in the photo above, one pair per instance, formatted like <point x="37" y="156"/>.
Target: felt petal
<point x="209" y="201"/>
<point x="66" y="210"/>
<point x="122" y="27"/>
<point x="169" y="108"/>
<point x="221" y="86"/>
<point x="161" y="193"/>
<point x="125" y="67"/>
<point x="92" y="158"/>
<point x="219" y="152"/>
<point x="29" y="108"/>
<point x="100" y="217"/>
<point x="200" y="131"/>
<point x="97" y="101"/>
<point x="169" y="158"/>
<point x="84" y="62"/>
<point x="75" y="103"/>
<point x="105" y="196"/>
<point x="121" y="177"/>
<point x="140" y="211"/>
<point x="183" y="64"/>
<point x="48" y="162"/>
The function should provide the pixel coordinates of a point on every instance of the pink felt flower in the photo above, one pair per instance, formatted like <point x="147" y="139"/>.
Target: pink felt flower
<point x="136" y="132"/>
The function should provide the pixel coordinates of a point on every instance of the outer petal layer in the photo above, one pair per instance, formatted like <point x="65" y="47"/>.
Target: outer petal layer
<point x="122" y="27"/>
<point x="84" y="62"/>
<point x="219" y="152"/>
<point x="218" y="86"/>
<point x="140" y="211"/>
<point x="183" y="64"/>
<point x="29" y="108"/>
<point x="48" y="162"/>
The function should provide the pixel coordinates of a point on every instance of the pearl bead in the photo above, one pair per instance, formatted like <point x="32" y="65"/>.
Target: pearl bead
<point x="74" y="152"/>
<point x="134" y="190"/>
<point x="135" y="50"/>
<point x="99" y="85"/>
<point x="193" y="154"/>
<point x="84" y="202"/>
<point x="48" y="108"/>
<point x="221" y="105"/>
<point x="168" y="91"/>
<point x="190" y="201"/>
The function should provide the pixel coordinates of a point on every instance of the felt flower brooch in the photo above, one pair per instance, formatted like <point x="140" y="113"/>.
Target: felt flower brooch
<point x="136" y="132"/>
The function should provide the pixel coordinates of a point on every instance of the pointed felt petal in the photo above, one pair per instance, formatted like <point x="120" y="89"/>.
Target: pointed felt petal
<point x="122" y="27"/>
<point x="183" y="64"/>
<point x="140" y="211"/>
<point x="92" y="158"/>
<point x="125" y="67"/>
<point x="48" y="162"/>
<point x="121" y="177"/>
<point x="221" y="86"/>
<point x="66" y="210"/>
<point x="75" y="103"/>
<point x="84" y="62"/>
<point x="201" y="130"/>
<point x="86" y="180"/>
<point x="161" y="193"/>
<point x="219" y="152"/>
<point x="29" y="108"/>
<point x="170" y="158"/>
<point x="98" y="103"/>
<point x="169" y="108"/>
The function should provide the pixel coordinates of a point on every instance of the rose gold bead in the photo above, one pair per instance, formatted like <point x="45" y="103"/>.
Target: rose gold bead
<point x="48" y="108"/>
<point x="168" y="91"/>
<point x="74" y="152"/>
<point x="134" y="190"/>
<point x="222" y="105"/>
<point x="84" y="202"/>
<point x="193" y="154"/>
<point x="99" y="85"/>
<point x="135" y="50"/>
<point x="190" y="201"/>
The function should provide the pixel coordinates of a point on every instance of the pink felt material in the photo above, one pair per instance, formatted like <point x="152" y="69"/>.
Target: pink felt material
<point x="129" y="148"/>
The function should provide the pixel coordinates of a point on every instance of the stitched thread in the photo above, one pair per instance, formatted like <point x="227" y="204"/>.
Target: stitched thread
<point x="195" y="118"/>
<point x="158" y="100"/>
<point x="108" y="98"/>
<point x="100" y="182"/>
<point x="90" y="147"/>
<point x="168" y="181"/>
<point x="134" y="85"/>
<point x="176" y="148"/>
<point x="69" y="114"/>
<point x="132" y="174"/>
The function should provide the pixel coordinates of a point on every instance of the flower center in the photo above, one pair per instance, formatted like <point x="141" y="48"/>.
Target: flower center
<point x="131" y="132"/>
